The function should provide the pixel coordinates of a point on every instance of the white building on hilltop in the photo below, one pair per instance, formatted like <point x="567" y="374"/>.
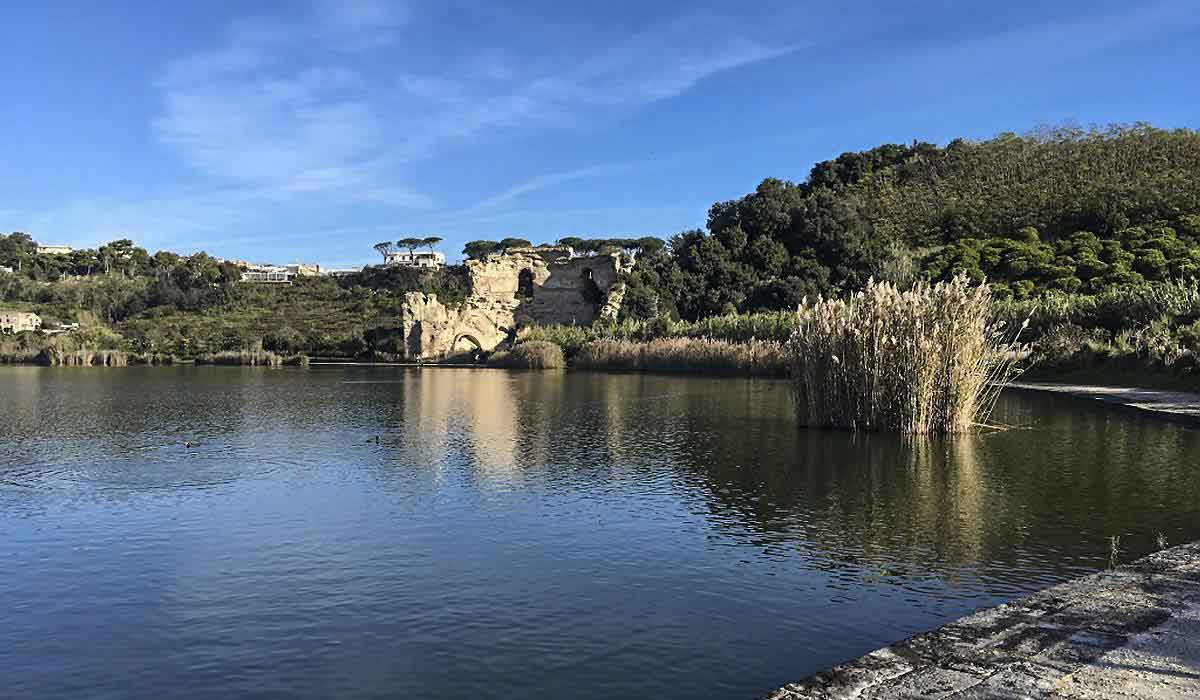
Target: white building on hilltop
<point x="54" y="250"/>
<point x="424" y="259"/>
<point x="19" y="321"/>
<point x="278" y="274"/>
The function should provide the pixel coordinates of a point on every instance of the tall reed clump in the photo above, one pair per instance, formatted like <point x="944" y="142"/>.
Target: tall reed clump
<point x="926" y="360"/>
<point x="702" y="355"/>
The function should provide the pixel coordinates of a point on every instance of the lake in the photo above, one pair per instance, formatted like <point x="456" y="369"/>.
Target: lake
<point x="362" y="532"/>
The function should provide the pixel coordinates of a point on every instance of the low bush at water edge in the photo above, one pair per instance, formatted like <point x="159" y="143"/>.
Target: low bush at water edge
<point x="699" y="355"/>
<point x="535" y="354"/>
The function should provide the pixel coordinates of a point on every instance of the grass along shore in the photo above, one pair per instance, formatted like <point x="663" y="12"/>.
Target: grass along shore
<point x="1144" y="335"/>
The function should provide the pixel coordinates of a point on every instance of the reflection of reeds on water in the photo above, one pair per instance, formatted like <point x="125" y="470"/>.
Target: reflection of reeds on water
<point x="862" y="501"/>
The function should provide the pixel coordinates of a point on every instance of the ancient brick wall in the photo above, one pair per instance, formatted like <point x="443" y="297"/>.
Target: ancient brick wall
<point x="525" y="286"/>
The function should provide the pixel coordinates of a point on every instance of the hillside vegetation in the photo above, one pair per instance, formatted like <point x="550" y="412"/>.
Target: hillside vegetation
<point x="1094" y="233"/>
<point x="1080" y="212"/>
<point x="194" y="306"/>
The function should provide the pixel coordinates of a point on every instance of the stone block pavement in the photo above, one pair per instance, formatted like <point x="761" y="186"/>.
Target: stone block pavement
<point x="1132" y="632"/>
<point x="1175" y="405"/>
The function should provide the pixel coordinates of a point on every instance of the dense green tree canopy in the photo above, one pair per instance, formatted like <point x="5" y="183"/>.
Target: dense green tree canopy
<point x="480" y="249"/>
<point x="1060" y="209"/>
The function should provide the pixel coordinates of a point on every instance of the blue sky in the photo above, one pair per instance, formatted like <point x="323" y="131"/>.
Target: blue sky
<point x="309" y="130"/>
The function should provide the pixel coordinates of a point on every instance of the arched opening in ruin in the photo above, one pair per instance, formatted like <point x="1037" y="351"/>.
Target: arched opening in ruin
<point x="467" y="347"/>
<point x="525" y="284"/>
<point x="591" y="290"/>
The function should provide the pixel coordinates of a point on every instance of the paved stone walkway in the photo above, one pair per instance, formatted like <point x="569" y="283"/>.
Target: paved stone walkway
<point x="1178" y="405"/>
<point x="1133" y="632"/>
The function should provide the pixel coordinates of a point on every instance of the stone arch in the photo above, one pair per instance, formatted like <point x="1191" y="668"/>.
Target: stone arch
<point x="466" y="345"/>
<point x="525" y="284"/>
<point x="466" y="342"/>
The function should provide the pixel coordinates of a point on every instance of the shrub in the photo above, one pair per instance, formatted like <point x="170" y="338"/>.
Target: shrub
<point x="927" y="360"/>
<point x="569" y="338"/>
<point x="531" y="354"/>
<point x="701" y="355"/>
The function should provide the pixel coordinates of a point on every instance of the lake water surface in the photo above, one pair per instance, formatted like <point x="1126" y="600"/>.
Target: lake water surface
<point x="365" y="532"/>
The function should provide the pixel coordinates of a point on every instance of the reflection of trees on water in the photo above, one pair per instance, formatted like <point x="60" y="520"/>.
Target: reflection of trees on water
<point x="1055" y="488"/>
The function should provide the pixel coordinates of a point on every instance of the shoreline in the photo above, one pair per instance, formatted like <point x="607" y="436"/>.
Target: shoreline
<point x="1178" y="406"/>
<point x="1129" y="631"/>
<point x="1165" y="402"/>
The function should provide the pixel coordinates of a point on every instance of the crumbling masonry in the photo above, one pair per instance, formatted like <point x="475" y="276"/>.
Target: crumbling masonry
<point x="511" y="290"/>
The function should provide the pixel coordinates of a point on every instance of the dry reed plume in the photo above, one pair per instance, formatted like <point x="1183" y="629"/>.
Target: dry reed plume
<point x="926" y="360"/>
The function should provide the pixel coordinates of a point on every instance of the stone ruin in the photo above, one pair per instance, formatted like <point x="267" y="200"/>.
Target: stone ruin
<point x="510" y="291"/>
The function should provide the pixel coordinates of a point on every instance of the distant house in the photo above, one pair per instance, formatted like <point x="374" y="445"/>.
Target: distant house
<point x="64" y="328"/>
<point x="19" y="322"/>
<point x="278" y="274"/>
<point x="305" y="270"/>
<point x="54" y="250"/>
<point x="272" y="274"/>
<point x="429" y="260"/>
<point x="6" y="268"/>
<point x="342" y="271"/>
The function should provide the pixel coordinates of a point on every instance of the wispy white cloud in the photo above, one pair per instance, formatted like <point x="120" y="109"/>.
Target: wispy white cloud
<point x="660" y="62"/>
<point x="257" y="112"/>
<point x="323" y="108"/>
<point x="268" y="110"/>
<point x="359" y="25"/>
<point x="547" y="180"/>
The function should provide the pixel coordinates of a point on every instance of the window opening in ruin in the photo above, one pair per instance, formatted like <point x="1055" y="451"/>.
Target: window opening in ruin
<point x="525" y="284"/>
<point x="591" y="291"/>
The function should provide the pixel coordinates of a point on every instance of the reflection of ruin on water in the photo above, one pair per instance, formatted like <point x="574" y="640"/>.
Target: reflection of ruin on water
<point x="508" y="290"/>
<point x="855" y="505"/>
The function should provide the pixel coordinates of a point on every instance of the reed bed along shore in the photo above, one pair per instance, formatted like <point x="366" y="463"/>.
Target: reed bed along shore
<point x="925" y="360"/>
<point x="84" y="358"/>
<point x="55" y="356"/>
<point x="698" y="355"/>
<point x="771" y="325"/>
<point x="251" y="358"/>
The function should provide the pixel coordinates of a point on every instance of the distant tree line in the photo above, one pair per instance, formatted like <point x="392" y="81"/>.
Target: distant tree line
<point x="588" y="246"/>
<point x="409" y="244"/>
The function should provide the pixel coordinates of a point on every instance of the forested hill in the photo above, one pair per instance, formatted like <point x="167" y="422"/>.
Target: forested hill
<point x="1063" y="209"/>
